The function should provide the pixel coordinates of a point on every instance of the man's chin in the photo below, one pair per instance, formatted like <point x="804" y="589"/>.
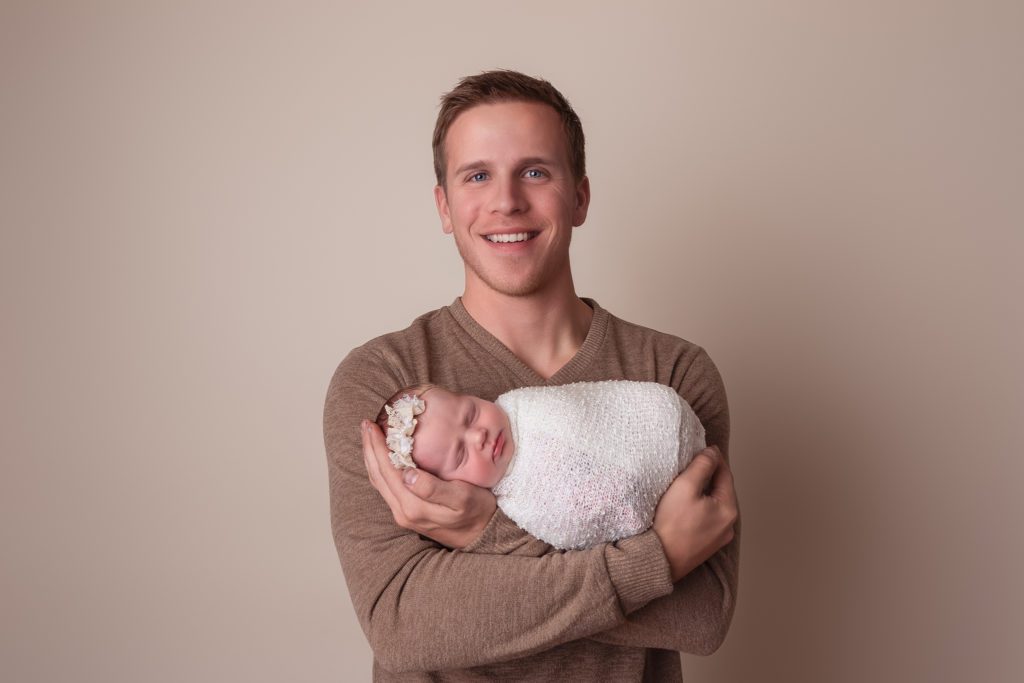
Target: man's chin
<point x="511" y="287"/>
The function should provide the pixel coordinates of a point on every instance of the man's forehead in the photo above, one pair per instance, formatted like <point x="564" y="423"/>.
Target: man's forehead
<point x="506" y="108"/>
<point x="531" y="127"/>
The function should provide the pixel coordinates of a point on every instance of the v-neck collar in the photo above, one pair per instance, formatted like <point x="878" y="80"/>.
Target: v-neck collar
<point x="570" y="372"/>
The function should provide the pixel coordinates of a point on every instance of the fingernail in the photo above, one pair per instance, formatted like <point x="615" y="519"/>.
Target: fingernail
<point x="410" y="476"/>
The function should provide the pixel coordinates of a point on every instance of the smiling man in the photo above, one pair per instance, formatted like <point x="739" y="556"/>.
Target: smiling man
<point x="512" y="210"/>
<point x="444" y="585"/>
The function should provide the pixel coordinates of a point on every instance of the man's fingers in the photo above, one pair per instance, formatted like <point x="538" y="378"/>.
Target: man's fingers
<point x="383" y="475"/>
<point x="723" y="491"/>
<point x="700" y="471"/>
<point x="454" y="495"/>
<point x="452" y="513"/>
<point x="376" y="472"/>
<point x="722" y="485"/>
<point x="413" y="507"/>
<point x="376" y="452"/>
<point x="423" y="485"/>
<point x="369" y="459"/>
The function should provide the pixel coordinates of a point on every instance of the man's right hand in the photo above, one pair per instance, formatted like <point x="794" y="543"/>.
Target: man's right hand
<point x="697" y="514"/>
<point x="453" y="513"/>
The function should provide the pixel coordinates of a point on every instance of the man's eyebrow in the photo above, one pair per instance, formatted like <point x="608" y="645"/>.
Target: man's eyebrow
<point x="528" y="161"/>
<point x="472" y="164"/>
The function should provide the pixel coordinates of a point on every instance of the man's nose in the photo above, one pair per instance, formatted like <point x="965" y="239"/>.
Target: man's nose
<point x="509" y="197"/>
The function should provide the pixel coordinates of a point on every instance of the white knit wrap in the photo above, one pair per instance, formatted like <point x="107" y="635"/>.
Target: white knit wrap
<point x="592" y="459"/>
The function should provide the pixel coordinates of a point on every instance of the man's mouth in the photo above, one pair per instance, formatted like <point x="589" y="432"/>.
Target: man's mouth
<point x="506" y="238"/>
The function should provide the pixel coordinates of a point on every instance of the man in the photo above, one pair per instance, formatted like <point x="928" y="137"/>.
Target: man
<point x="443" y="582"/>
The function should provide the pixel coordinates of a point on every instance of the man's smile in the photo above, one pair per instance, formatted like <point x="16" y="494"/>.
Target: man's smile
<point x="511" y="237"/>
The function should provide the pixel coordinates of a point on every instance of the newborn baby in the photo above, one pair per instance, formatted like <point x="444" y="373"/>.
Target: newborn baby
<point x="574" y="465"/>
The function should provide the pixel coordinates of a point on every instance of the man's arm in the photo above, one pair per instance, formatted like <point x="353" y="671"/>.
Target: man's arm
<point x="424" y="607"/>
<point x="695" y="617"/>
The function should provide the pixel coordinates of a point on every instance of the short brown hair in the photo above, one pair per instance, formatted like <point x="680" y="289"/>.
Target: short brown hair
<point x="502" y="85"/>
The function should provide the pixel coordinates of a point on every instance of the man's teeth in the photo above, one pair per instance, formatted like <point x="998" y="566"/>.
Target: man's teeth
<point x="513" y="237"/>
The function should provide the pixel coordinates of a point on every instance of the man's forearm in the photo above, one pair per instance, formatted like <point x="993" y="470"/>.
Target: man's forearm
<point x="424" y="607"/>
<point x="506" y="596"/>
<point x="427" y="608"/>
<point x="694" y="618"/>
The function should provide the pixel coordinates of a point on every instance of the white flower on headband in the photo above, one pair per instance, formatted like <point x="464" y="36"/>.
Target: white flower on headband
<point x="401" y="423"/>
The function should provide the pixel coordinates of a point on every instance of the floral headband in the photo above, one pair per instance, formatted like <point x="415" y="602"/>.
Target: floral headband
<point x="401" y="423"/>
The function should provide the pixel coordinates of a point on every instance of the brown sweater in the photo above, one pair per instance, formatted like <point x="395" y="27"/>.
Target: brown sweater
<point x="510" y="607"/>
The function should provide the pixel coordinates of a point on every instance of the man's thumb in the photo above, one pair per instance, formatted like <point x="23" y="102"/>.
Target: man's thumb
<point x="703" y="467"/>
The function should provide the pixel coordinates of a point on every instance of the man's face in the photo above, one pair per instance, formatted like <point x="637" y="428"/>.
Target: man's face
<point x="510" y="199"/>
<point x="462" y="437"/>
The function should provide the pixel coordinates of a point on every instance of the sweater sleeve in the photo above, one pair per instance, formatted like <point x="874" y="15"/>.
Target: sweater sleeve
<point x="424" y="607"/>
<point x="695" y="617"/>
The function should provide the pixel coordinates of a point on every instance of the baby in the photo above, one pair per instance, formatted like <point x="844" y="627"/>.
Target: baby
<point x="574" y="465"/>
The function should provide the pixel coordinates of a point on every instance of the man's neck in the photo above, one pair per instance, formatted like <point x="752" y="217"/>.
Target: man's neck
<point x="544" y="330"/>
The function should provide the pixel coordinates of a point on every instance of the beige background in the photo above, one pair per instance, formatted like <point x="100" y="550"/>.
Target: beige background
<point x="205" y="205"/>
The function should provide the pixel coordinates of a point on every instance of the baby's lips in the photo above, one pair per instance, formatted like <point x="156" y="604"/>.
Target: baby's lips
<point x="499" y="444"/>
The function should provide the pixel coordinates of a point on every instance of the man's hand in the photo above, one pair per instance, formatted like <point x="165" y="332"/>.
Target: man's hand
<point x="453" y="513"/>
<point x="696" y="516"/>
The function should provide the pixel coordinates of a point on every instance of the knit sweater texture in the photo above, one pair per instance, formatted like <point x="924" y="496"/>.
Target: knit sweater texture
<point x="508" y="606"/>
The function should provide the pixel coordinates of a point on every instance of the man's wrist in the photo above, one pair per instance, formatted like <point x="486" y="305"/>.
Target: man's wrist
<point x="490" y="535"/>
<point x="639" y="570"/>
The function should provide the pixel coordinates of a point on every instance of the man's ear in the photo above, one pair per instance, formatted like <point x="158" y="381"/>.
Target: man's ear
<point x="582" y="202"/>
<point x="441" y="199"/>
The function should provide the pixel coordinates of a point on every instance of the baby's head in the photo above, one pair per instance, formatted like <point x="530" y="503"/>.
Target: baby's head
<point x="456" y="436"/>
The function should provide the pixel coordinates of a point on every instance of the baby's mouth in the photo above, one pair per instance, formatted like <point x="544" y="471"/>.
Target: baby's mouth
<point x="498" y="444"/>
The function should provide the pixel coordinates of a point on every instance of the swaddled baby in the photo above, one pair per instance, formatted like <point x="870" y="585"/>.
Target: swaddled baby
<point x="574" y="465"/>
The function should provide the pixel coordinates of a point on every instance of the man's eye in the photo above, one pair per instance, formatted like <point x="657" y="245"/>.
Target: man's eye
<point x="478" y="177"/>
<point x="535" y="173"/>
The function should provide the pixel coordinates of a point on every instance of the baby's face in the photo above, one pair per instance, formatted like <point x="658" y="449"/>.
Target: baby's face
<point x="462" y="437"/>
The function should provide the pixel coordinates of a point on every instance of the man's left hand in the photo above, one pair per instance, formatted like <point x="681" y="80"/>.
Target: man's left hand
<point x="453" y="513"/>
